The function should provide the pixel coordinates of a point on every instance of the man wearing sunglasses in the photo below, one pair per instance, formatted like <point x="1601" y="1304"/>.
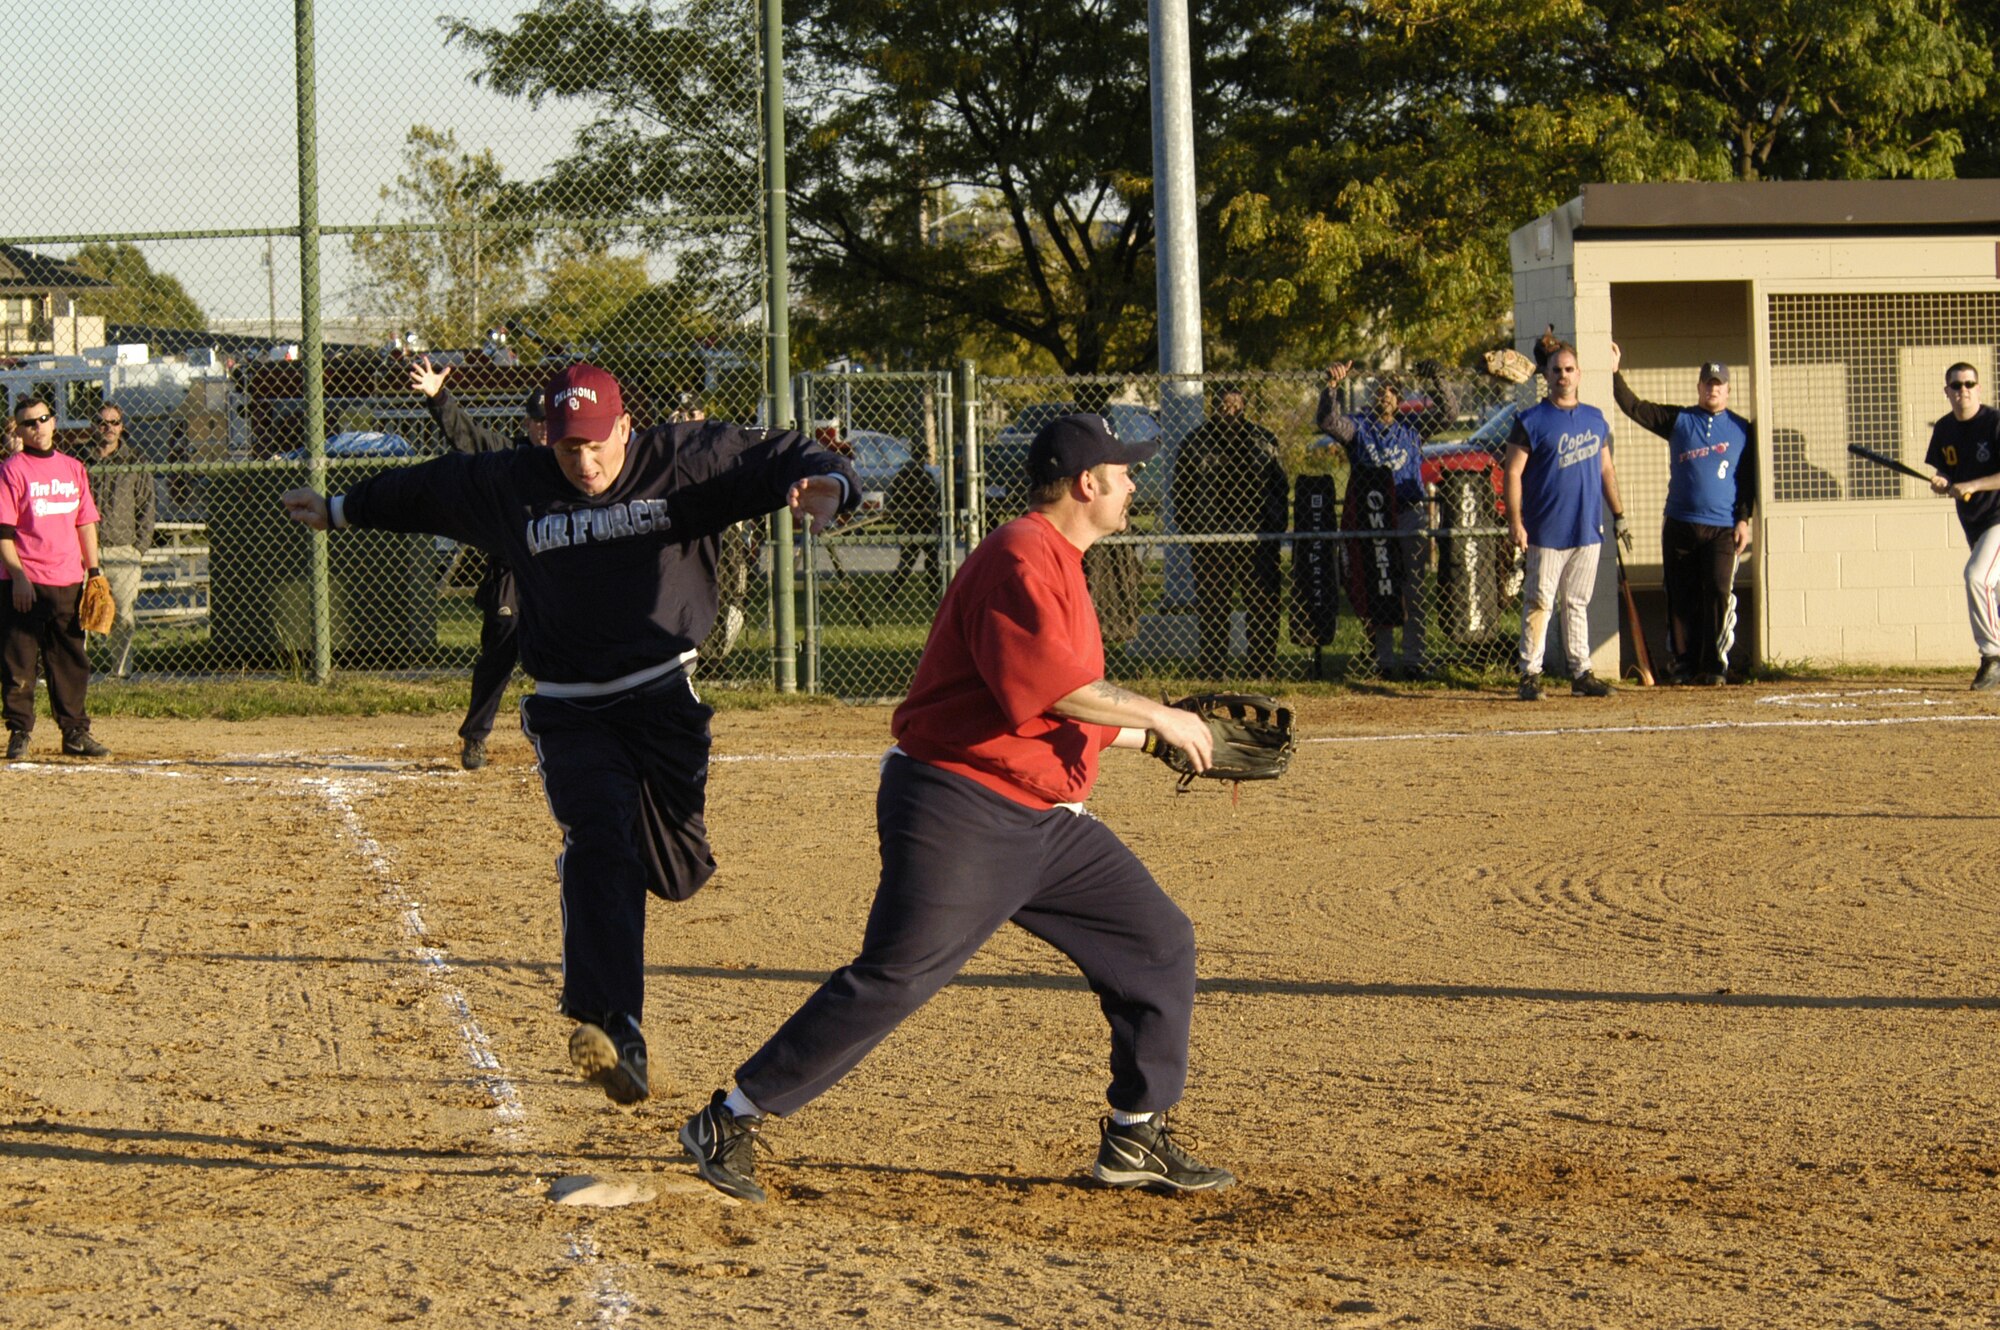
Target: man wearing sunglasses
<point x="48" y="547"/>
<point x="1965" y="453"/>
<point x="126" y="505"/>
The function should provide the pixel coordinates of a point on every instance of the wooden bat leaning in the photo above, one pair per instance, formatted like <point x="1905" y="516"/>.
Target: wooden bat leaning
<point x="1883" y="459"/>
<point x="1640" y="655"/>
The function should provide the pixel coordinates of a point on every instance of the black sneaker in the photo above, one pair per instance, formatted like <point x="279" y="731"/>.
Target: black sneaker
<point x="17" y="745"/>
<point x="1589" y="685"/>
<point x="80" y="744"/>
<point x="1531" y="688"/>
<point x="1988" y="676"/>
<point x="1142" y="1154"/>
<point x="723" y="1147"/>
<point x="473" y="756"/>
<point x="611" y="1053"/>
<point x="1713" y="679"/>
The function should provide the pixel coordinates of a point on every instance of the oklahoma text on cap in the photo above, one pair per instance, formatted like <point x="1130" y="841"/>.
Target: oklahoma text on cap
<point x="583" y="402"/>
<point x="1071" y="445"/>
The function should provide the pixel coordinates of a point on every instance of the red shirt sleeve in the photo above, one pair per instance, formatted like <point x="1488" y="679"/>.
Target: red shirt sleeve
<point x="1021" y="645"/>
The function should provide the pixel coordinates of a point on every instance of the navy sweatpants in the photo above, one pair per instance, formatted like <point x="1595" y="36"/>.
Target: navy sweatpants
<point x="627" y="779"/>
<point x="958" y="861"/>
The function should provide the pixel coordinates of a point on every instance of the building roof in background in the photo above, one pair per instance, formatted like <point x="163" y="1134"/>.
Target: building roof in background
<point x="1788" y="206"/>
<point x="25" y="270"/>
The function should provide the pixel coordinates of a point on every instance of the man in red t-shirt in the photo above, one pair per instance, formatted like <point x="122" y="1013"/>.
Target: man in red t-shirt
<point x="48" y="548"/>
<point x="981" y="817"/>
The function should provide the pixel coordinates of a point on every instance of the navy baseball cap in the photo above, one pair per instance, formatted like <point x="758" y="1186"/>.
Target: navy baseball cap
<point x="1071" y="445"/>
<point x="1715" y="372"/>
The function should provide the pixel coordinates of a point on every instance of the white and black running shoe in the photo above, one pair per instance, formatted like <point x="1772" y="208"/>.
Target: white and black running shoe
<point x="1143" y="1154"/>
<point x="723" y="1147"/>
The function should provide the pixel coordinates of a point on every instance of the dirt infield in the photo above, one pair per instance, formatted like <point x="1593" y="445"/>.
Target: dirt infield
<point x="1674" y="1009"/>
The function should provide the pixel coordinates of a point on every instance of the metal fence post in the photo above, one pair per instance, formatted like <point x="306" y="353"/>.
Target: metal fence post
<point x="969" y="440"/>
<point x="311" y="352"/>
<point x="777" y="315"/>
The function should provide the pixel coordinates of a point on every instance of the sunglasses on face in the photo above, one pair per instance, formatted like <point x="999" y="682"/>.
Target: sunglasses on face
<point x="110" y="424"/>
<point x="32" y="421"/>
<point x="1962" y="385"/>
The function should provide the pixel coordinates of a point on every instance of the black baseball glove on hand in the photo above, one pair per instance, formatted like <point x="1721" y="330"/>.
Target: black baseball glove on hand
<point x="1252" y="735"/>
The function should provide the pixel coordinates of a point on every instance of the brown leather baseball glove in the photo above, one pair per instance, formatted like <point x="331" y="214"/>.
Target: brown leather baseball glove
<point x="96" y="611"/>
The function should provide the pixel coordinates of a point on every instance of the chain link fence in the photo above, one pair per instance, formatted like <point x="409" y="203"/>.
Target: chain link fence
<point x="498" y="191"/>
<point x="1255" y="551"/>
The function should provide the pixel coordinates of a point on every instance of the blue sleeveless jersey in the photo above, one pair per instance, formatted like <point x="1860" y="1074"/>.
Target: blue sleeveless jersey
<point x="1562" y="486"/>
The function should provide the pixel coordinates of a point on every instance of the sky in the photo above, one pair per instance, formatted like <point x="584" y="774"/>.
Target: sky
<point x="182" y="116"/>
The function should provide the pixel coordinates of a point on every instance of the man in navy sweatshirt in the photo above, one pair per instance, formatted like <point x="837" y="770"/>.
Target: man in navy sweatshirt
<point x="612" y="534"/>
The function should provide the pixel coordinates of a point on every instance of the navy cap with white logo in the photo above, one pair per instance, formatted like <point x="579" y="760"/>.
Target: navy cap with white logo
<point x="1715" y="372"/>
<point x="1071" y="445"/>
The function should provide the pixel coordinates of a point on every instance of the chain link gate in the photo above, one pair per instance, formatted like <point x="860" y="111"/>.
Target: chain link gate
<point x="356" y="185"/>
<point x="871" y="585"/>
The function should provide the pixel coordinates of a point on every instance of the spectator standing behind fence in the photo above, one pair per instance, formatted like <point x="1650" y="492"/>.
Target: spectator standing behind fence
<point x="912" y="508"/>
<point x="48" y="548"/>
<point x="1559" y="478"/>
<point x="1711" y="494"/>
<point x="1965" y="453"/>
<point x="127" y="508"/>
<point x="1381" y="440"/>
<point x="1229" y="481"/>
<point x="499" y="605"/>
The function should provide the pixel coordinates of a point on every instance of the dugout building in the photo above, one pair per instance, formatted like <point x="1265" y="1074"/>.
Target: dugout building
<point x="1838" y="306"/>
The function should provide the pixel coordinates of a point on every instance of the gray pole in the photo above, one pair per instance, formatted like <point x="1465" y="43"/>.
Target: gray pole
<point x="778" y="325"/>
<point x="311" y="352"/>
<point x="1177" y="260"/>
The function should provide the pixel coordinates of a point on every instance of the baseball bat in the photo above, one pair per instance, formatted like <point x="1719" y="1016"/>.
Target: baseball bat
<point x="1883" y="459"/>
<point x="1640" y="655"/>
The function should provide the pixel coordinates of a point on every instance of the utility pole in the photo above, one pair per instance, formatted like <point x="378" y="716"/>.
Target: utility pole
<point x="1177" y="261"/>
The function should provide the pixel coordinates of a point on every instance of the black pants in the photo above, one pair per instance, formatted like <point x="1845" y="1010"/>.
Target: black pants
<point x="45" y="637"/>
<point x="627" y="779"/>
<point x="492" y="671"/>
<point x="1698" y="565"/>
<point x="1219" y="570"/>
<point x="958" y="861"/>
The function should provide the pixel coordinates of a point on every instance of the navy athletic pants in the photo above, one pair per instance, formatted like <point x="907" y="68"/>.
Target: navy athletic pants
<point x="958" y="861"/>
<point x="626" y="778"/>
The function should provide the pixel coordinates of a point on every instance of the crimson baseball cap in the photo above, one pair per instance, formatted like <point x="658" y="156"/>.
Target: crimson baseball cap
<point x="1715" y="372"/>
<point x="583" y="403"/>
<point x="1071" y="445"/>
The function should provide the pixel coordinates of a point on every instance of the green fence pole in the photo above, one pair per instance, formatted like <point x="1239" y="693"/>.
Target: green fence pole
<point x="311" y="353"/>
<point x="777" y="319"/>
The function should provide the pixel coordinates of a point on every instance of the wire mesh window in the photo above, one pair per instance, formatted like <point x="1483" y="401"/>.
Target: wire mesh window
<point x="1866" y="369"/>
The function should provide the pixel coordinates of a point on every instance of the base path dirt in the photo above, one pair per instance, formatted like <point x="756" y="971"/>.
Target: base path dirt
<point x="1676" y="1008"/>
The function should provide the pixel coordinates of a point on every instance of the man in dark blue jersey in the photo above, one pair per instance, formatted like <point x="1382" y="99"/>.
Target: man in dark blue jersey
<point x="1711" y="495"/>
<point x="1965" y="452"/>
<point x="612" y="534"/>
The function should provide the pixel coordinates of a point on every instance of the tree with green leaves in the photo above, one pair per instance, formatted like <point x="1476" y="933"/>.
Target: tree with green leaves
<point x="978" y="175"/>
<point x="466" y="266"/>
<point x="139" y="294"/>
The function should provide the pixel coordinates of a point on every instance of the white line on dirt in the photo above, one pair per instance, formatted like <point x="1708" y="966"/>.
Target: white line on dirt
<point x="614" y="1304"/>
<point x="338" y="793"/>
<point x="1828" y="723"/>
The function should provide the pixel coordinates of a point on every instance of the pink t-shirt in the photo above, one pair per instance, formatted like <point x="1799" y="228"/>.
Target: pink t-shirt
<point x="45" y="498"/>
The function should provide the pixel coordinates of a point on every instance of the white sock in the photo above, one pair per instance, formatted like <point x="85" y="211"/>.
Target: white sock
<point x="739" y="1104"/>
<point x="1124" y="1119"/>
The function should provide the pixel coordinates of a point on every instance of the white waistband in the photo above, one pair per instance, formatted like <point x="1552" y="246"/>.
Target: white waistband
<point x="623" y="683"/>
